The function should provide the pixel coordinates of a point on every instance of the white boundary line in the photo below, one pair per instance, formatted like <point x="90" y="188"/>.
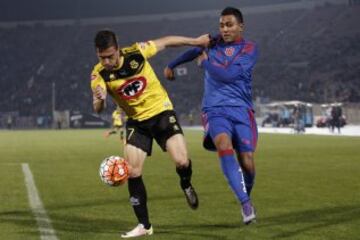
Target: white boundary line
<point x="348" y="130"/>
<point x="46" y="230"/>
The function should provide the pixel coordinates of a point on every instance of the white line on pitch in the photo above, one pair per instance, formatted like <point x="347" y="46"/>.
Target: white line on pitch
<point x="47" y="232"/>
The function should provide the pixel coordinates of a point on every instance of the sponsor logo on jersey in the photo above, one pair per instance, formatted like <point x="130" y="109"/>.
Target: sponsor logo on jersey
<point x="132" y="88"/>
<point x="229" y="51"/>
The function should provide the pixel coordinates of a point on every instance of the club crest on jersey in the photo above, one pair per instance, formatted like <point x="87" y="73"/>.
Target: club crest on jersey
<point x="112" y="76"/>
<point x="132" y="88"/>
<point x="134" y="64"/>
<point x="229" y="51"/>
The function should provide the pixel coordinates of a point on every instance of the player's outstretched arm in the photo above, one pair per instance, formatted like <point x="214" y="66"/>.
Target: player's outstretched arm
<point x="187" y="56"/>
<point x="177" y="41"/>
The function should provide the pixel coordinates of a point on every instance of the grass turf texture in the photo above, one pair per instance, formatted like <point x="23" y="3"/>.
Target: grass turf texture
<point x="307" y="187"/>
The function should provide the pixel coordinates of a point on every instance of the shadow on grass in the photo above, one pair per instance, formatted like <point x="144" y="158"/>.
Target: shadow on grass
<point x="75" y="225"/>
<point x="68" y="223"/>
<point x="196" y="231"/>
<point x="24" y="219"/>
<point x="65" y="222"/>
<point x="97" y="202"/>
<point x="310" y="220"/>
<point x="292" y="224"/>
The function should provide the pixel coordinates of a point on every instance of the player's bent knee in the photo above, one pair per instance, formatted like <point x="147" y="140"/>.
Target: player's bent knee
<point x="183" y="162"/>
<point x="220" y="147"/>
<point x="223" y="142"/>
<point x="134" y="172"/>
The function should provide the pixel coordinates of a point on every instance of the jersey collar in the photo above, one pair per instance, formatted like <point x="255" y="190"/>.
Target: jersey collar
<point x="237" y="41"/>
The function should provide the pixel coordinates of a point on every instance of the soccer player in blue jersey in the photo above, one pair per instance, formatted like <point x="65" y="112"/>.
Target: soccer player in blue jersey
<point x="230" y="127"/>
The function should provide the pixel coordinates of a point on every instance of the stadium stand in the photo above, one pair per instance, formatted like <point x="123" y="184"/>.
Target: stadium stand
<point x="312" y="54"/>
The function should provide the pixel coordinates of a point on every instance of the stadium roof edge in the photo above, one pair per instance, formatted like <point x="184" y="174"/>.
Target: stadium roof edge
<point x="172" y="16"/>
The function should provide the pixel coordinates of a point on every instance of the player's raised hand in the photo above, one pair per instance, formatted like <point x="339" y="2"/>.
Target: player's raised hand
<point x="169" y="74"/>
<point x="203" y="40"/>
<point x="99" y="93"/>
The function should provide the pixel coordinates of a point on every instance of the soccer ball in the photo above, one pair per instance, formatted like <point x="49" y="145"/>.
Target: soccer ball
<point x="114" y="171"/>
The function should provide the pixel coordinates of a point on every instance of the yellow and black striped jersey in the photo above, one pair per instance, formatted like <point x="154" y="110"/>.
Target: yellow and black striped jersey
<point x="134" y="86"/>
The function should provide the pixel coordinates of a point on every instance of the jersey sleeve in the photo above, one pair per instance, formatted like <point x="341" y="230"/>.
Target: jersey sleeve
<point x="97" y="80"/>
<point x="187" y="56"/>
<point x="147" y="49"/>
<point x="249" y="57"/>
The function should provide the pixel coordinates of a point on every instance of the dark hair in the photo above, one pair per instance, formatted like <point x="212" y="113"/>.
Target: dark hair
<point x="105" y="39"/>
<point x="233" y="11"/>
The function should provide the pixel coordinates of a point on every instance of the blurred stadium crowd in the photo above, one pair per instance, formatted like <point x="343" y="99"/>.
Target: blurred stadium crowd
<point x="310" y="55"/>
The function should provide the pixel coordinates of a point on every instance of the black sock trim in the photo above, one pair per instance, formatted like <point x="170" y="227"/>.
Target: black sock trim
<point x="185" y="174"/>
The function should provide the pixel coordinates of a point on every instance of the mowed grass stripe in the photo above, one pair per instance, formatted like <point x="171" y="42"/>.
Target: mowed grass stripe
<point x="307" y="187"/>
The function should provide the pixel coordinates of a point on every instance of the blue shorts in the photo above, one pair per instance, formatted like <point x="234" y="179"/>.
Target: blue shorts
<point x="237" y="122"/>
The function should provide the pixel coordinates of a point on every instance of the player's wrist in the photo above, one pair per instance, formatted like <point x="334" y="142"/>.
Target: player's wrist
<point x="202" y="63"/>
<point x="98" y="101"/>
<point x="98" y="98"/>
<point x="171" y="65"/>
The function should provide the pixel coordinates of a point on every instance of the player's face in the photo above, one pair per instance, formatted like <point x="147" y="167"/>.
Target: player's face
<point x="109" y="58"/>
<point x="230" y="28"/>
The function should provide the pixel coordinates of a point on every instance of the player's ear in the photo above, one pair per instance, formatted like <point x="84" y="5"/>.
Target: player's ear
<point x="241" y="27"/>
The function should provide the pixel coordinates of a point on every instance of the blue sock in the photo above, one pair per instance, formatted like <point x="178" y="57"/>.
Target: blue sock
<point x="249" y="181"/>
<point x="233" y="174"/>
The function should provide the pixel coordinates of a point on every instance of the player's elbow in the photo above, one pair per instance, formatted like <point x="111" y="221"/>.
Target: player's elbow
<point x="97" y="110"/>
<point x="161" y="43"/>
<point x="98" y="106"/>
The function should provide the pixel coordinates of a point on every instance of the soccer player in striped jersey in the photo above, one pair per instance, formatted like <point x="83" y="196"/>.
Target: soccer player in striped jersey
<point x="230" y="127"/>
<point x="127" y="76"/>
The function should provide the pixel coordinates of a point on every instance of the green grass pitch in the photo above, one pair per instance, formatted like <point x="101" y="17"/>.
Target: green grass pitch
<point x="307" y="187"/>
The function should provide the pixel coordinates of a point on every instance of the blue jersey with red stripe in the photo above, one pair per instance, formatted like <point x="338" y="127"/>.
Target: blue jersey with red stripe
<point x="228" y="74"/>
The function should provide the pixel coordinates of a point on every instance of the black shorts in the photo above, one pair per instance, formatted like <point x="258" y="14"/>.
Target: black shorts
<point x="161" y="127"/>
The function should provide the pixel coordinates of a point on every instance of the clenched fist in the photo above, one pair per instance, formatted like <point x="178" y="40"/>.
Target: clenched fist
<point x="169" y="74"/>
